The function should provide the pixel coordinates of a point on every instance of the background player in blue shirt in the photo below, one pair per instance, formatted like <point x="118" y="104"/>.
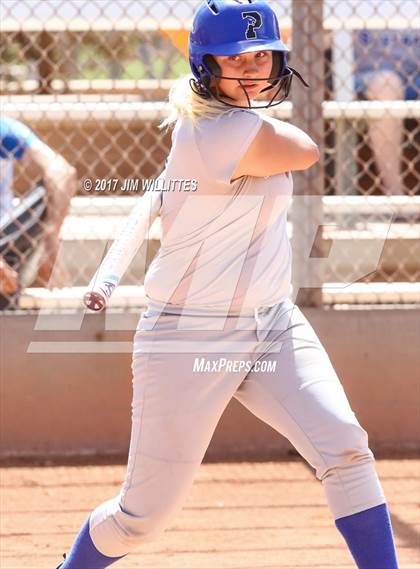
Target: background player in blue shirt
<point x="18" y="142"/>
<point x="387" y="69"/>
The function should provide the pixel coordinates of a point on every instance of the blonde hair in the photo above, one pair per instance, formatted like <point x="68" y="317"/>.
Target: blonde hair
<point x="184" y="102"/>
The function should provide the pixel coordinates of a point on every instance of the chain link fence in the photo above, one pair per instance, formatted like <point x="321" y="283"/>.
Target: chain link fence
<point x="91" y="80"/>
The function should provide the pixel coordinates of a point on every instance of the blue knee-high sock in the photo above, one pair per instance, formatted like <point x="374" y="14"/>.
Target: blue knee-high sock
<point x="84" y="555"/>
<point x="369" y="537"/>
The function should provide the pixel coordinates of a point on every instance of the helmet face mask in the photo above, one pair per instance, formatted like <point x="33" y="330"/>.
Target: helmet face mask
<point x="274" y="89"/>
<point x="269" y="96"/>
<point x="232" y="27"/>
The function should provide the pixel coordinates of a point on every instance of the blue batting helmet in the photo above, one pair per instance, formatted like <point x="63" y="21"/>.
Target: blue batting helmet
<point x="229" y="27"/>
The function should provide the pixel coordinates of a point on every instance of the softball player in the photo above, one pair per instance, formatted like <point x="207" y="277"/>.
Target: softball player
<point x="218" y="305"/>
<point x="27" y="232"/>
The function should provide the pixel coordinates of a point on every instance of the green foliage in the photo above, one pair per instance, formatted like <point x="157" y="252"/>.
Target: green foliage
<point x="181" y="67"/>
<point x="11" y="53"/>
<point x="136" y="69"/>
<point x="93" y="55"/>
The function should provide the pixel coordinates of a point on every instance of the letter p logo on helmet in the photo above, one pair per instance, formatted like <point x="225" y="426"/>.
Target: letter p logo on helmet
<point x="254" y="22"/>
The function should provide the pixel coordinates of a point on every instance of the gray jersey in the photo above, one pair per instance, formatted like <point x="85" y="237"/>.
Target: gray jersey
<point x="224" y="245"/>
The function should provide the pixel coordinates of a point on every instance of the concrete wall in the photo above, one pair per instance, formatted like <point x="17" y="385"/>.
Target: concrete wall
<point x="70" y="403"/>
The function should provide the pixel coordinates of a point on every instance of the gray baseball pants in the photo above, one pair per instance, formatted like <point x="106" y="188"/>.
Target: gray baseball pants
<point x="186" y="369"/>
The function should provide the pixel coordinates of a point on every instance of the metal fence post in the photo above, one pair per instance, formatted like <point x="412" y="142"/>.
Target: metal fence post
<point x="308" y="59"/>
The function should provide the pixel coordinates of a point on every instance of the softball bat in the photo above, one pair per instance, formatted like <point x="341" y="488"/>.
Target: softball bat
<point x="122" y="252"/>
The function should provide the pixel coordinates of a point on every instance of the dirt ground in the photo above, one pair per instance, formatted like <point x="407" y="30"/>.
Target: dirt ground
<point x="239" y="515"/>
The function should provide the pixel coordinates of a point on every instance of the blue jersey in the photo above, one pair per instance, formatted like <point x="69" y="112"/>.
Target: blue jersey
<point x="388" y="50"/>
<point x="15" y="137"/>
